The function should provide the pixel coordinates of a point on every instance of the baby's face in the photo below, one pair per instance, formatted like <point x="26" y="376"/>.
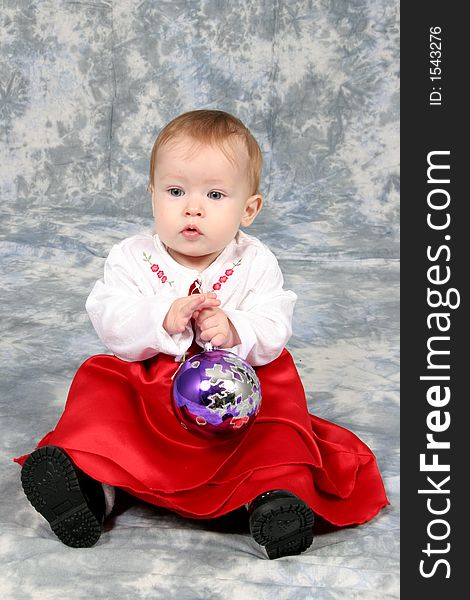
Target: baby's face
<point x="200" y="199"/>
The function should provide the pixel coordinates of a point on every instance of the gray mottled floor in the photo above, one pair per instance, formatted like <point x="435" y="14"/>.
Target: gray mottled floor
<point x="84" y="87"/>
<point x="346" y="346"/>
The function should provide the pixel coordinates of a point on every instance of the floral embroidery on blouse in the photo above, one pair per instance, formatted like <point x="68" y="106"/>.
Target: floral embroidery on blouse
<point x="164" y="279"/>
<point x="156" y="269"/>
<point x="224" y="278"/>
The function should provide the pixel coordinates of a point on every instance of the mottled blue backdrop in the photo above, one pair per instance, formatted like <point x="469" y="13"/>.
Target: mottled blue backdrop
<point x="84" y="89"/>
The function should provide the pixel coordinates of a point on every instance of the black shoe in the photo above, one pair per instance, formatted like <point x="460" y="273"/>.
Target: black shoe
<point x="282" y="523"/>
<point x="72" y="502"/>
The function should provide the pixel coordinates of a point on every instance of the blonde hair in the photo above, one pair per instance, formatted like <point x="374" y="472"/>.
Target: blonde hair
<point x="211" y="127"/>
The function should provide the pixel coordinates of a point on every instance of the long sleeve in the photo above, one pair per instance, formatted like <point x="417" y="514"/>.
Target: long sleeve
<point x="263" y="319"/>
<point x="128" y="315"/>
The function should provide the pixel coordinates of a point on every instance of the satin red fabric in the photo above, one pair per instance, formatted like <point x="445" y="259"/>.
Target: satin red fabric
<point x="119" y="427"/>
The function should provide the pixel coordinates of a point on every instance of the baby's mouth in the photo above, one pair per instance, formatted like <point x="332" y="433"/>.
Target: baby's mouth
<point x="191" y="232"/>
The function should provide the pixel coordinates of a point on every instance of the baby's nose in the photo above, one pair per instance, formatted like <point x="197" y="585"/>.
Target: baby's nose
<point x="193" y="211"/>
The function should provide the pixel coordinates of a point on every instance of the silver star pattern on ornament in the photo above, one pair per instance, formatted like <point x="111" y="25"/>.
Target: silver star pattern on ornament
<point x="236" y="383"/>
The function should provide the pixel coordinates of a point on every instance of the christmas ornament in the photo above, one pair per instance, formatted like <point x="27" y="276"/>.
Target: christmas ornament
<point x="216" y="394"/>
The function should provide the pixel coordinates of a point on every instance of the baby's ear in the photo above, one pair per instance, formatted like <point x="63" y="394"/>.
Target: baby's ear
<point x="252" y="207"/>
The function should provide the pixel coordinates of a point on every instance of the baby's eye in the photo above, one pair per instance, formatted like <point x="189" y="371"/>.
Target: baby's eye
<point x="176" y="192"/>
<point x="215" y="195"/>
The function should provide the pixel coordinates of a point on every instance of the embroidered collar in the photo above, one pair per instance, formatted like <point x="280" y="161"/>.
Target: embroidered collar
<point x="223" y="278"/>
<point x="174" y="265"/>
<point x="177" y="267"/>
<point x="155" y="268"/>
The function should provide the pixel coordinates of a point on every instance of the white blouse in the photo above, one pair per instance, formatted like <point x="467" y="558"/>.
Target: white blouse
<point x="141" y="281"/>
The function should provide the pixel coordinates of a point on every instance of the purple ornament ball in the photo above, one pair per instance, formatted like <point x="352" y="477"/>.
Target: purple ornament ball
<point x="216" y="394"/>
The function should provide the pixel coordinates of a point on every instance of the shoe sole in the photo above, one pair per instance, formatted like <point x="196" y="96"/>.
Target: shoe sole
<point x="51" y="484"/>
<point x="284" y="526"/>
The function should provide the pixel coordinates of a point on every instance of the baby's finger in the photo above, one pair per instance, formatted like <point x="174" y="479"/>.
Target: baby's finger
<point x="210" y="296"/>
<point x="208" y="321"/>
<point x="208" y="333"/>
<point x="214" y="336"/>
<point x="218" y="340"/>
<point x="202" y="314"/>
<point x="210" y="303"/>
<point x="191" y="305"/>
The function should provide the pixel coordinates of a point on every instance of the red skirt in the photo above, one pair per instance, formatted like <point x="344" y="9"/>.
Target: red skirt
<point x="118" y="426"/>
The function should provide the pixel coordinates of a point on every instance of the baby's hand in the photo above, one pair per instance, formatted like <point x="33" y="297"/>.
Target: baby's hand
<point x="182" y="310"/>
<point x="216" y="328"/>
